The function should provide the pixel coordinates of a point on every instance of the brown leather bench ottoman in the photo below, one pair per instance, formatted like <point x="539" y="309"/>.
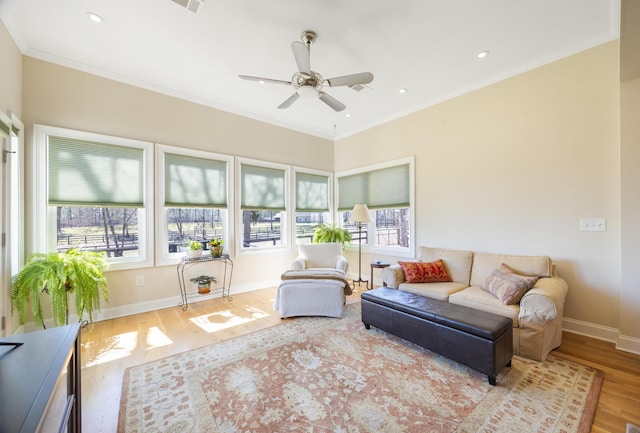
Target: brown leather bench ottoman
<point x="480" y="340"/>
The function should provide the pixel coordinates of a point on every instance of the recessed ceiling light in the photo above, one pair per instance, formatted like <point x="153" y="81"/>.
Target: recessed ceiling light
<point x="347" y="115"/>
<point x="403" y="90"/>
<point x="95" y="17"/>
<point x="483" y="54"/>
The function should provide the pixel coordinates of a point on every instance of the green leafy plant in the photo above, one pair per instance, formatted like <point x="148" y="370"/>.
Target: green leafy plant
<point x="203" y="280"/>
<point x="325" y="233"/>
<point x="195" y="245"/>
<point x="216" y="242"/>
<point x="59" y="275"/>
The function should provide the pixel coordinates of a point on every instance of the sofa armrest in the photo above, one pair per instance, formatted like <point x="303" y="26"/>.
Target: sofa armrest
<point x="544" y="302"/>
<point x="342" y="264"/>
<point x="392" y="276"/>
<point x="298" y="264"/>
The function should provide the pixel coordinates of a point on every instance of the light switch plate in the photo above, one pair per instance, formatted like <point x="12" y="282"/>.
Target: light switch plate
<point x="593" y="224"/>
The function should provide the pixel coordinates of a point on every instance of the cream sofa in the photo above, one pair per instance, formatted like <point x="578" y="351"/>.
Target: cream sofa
<point x="537" y="318"/>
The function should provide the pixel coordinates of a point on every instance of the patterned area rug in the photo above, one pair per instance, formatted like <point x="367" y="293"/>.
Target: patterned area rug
<point x="332" y="375"/>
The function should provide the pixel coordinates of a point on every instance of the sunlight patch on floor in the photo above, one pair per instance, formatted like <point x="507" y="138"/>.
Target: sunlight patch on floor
<point x="157" y="338"/>
<point x="116" y="347"/>
<point x="226" y="319"/>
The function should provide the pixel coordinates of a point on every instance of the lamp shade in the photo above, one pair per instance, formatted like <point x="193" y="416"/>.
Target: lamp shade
<point x="360" y="214"/>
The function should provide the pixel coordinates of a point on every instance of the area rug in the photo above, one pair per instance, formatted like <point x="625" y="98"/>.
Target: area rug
<point x="332" y="375"/>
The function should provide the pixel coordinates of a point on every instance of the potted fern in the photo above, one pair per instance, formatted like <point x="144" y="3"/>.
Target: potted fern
<point x="58" y="275"/>
<point x="325" y="233"/>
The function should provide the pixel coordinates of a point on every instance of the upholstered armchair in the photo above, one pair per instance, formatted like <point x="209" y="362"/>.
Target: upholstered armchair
<point x="316" y="284"/>
<point x="320" y="256"/>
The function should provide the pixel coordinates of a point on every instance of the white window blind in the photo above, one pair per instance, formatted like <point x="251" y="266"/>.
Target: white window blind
<point x="312" y="192"/>
<point x="262" y="188"/>
<point x="384" y="188"/>
<point x="85" y="173"/>
<point x="194" y="182"/>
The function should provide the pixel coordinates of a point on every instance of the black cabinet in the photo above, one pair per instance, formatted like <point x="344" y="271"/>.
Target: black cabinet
<point x="40" y="381"/>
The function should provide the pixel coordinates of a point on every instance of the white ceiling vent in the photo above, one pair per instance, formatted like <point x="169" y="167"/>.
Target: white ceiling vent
<point x="192" y="5"/>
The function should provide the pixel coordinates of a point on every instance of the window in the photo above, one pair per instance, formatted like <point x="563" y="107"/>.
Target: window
<point x="263" y="205"/>
<point x="312" y="192"/>
<point x="94" y="195"/>
<point x="15" y="234"/>
<point x="388" y="192"/>
<point x="193" y="200"/>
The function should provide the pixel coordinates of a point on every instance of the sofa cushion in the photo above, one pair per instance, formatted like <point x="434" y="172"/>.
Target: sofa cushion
<point x="456" y="262"/>
<point x="507" y="285"/>
<point x="476" y="297"/>
<point x="485" y="263"/>
<point x="425" y="272"/>
<point x="439" y="291"/>
<point x="320" y="255"/>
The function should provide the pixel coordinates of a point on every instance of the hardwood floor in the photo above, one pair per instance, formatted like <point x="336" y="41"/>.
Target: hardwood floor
<point x="111" y="346"/>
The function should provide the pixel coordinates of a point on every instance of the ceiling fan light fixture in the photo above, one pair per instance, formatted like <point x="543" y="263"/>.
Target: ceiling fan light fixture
<point x="308" y="91"/>
<point x="309" y="83"/>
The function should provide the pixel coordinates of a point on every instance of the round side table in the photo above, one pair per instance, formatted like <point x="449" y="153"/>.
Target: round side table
<point x="379" y="265"/>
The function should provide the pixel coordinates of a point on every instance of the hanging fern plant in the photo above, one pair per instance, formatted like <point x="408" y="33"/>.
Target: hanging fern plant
<point x="60" y="275"/>
<point x="325" y="233"/>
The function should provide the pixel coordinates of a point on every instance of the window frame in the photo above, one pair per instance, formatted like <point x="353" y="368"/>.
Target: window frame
<point x="371" y="227"/>
<point x="16" y="223"/>
<point x="163" y="257"/>
<point x="44" y="216"/>
<point x="294" y="191"/>
<point x="285" y="226"/>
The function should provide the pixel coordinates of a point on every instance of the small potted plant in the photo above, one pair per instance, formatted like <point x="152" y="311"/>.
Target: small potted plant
<point x="204" y="283"/>
<point x="195" y="250"/>
<point x="215" y="247"/>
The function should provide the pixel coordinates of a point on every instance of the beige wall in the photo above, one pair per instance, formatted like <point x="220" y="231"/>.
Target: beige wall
<point x="514" y="166"/>
<point x="508" y="168"/>
<point x="630" y="176"/>
<point x="58" y="96"/>
<point x="630" y="179"/>
<point x="10" y="74"/>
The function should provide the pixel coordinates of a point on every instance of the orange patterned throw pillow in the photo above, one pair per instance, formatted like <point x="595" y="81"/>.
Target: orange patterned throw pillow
<point x="508" y="286"/>
<point x="425" y="272"/>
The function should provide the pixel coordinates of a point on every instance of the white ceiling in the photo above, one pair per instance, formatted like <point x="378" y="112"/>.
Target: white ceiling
<point x="428" y="47"/>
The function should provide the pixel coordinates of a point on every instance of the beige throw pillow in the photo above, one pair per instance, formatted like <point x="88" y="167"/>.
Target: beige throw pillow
<point x="508" y="286"/>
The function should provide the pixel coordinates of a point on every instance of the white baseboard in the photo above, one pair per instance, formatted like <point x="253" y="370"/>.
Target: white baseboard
<point x="590" y="330"/>
<point x="628" y="344"/>
<point x="172" y="301"/>
<point x="624" y="343"/>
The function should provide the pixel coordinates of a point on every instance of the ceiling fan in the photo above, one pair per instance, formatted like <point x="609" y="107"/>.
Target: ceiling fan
<point x="306" y="82"/>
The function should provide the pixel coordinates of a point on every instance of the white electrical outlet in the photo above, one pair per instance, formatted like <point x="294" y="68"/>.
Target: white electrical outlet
<point x="140" y="280"/>
<point x="593" y="224"/>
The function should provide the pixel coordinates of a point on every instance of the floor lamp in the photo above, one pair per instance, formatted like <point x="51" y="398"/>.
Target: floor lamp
<point x="360" y="214"/>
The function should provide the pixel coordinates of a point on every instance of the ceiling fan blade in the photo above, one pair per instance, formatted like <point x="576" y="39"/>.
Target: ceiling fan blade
<point x="331" y="101"/>
<point x="351" y="80"/>
<point x="264" y="80"/>
<point x="290" y="100"/>
<point x="301" y="54"/>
